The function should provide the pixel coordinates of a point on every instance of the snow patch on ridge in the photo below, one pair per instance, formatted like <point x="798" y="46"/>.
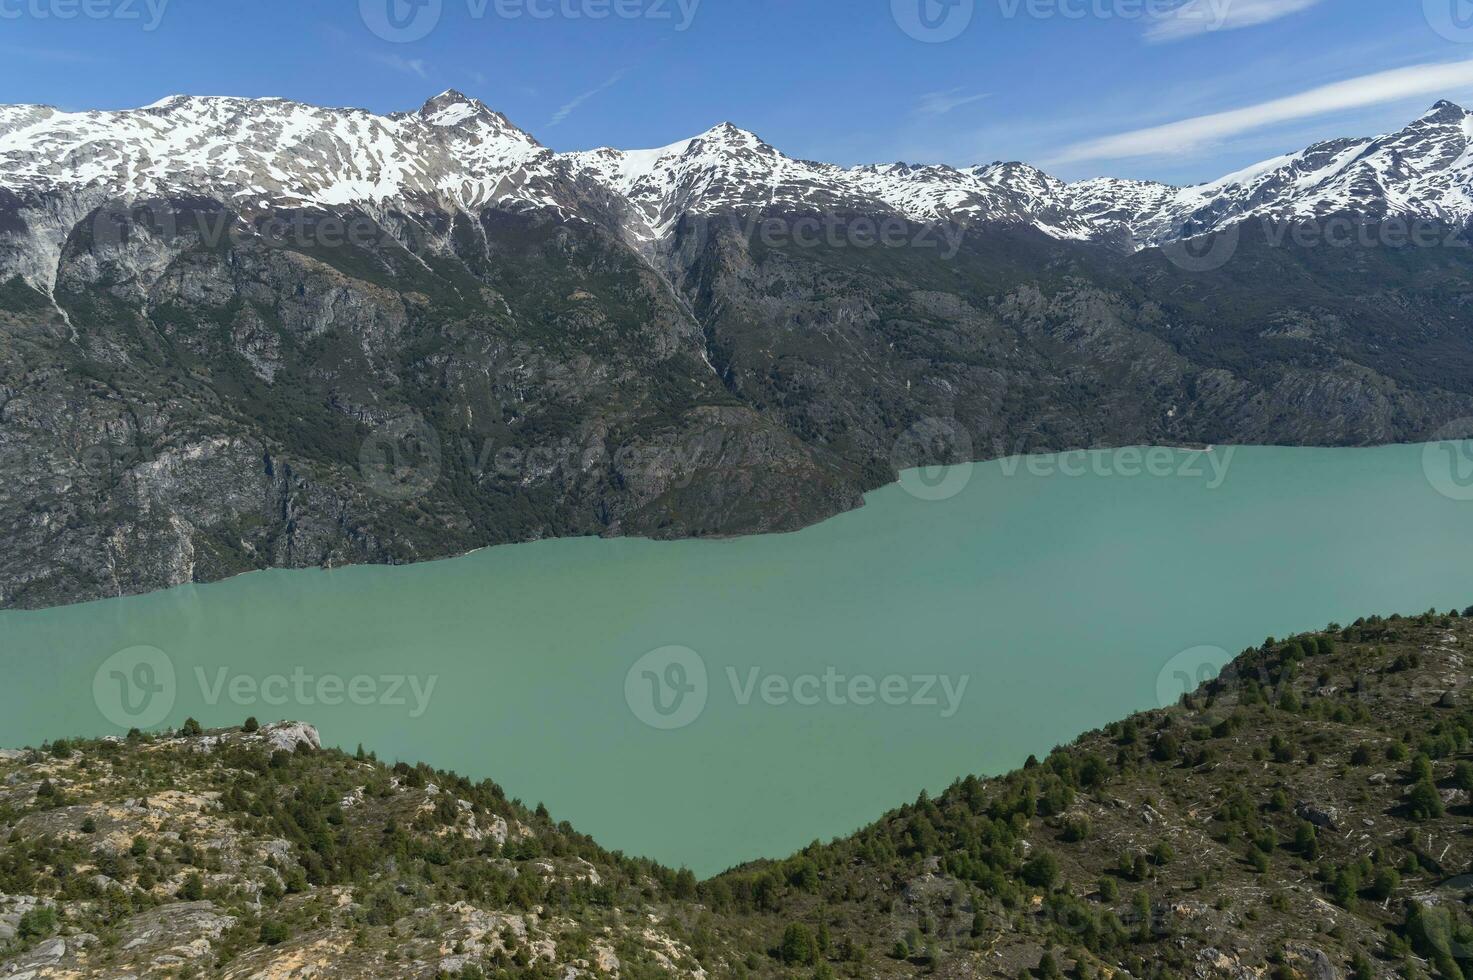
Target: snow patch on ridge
<point x="455" y="152"/>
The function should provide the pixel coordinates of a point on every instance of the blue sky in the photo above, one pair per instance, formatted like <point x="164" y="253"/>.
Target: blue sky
<point x="1067" y="84"/>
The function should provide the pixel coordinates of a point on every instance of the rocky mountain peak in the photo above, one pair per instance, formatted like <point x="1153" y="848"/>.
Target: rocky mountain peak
<point x="729" y="138"/>
<point x="730" y="131"/>
<point x="454" y="108"/>
<point x="1443" y="111"/>
<point x="457" y="149"/>
<point x="447" y="99"/>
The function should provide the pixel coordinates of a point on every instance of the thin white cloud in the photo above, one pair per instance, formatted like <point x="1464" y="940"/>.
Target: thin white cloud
<point x="571" y="106"/>
<point x="409" y="66"/>
<point x="1354" y="93"/>
<point x="940" y="103"/>
<point x="1204" y="16"/>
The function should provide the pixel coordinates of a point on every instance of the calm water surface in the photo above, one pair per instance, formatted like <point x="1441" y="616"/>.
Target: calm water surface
<point x="1060" y="601"/>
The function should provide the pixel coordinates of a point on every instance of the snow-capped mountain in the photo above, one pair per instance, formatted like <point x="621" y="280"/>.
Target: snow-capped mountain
<point x="723" y="169"/>
<point x="1423" y="170"/>
<point x="272" y="151"/>
<point x="191" y="389"/>
<point x="727" y="168"/>
<point x="455" y="152"/>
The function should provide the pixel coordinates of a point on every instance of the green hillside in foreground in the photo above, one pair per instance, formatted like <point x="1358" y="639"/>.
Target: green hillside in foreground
<point x="1306" y="815"/>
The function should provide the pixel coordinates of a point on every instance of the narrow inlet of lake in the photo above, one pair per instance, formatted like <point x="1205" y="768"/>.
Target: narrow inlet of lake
<point x="704" y="703"/>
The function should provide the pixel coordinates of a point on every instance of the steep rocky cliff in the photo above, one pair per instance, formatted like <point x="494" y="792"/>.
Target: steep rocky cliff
<point x="239" y="334"/>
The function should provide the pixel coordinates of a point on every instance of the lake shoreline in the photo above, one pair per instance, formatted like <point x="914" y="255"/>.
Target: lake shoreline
<point x="863" y="501"/>
<point x="1067" y="600"/>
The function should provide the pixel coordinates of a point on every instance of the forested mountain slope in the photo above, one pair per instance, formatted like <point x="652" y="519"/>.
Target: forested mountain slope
<point x="1306" y="815"/>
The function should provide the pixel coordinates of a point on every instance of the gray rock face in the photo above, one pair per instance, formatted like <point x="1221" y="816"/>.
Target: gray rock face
<point x="1313" y="962"/>
<point x="277" y="420"/>
<point x="1326" y="818"/>
<point x="199" y="379"/>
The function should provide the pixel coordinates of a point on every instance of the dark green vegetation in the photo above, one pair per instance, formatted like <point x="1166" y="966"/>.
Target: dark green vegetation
<point x="1306" y="815"/>
<point x="203" y="398"/>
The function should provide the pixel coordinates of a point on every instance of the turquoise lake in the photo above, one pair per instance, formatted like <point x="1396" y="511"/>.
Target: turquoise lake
<point x="847" y="667"/>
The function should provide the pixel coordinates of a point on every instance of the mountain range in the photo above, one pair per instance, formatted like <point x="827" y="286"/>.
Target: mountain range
<point x="252" y="333"/>
<point x="455" y="152"/>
